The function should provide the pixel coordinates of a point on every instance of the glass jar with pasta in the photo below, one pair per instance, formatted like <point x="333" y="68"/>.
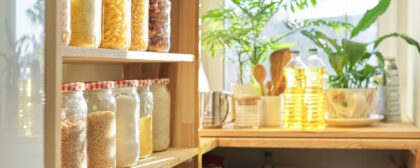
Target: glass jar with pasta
<point x="66" y="22"/>
<point x="159" y="25"/>
<point x="86" y="18"/>
<point x="139" y="25"/>
<point x="116" y="24"/>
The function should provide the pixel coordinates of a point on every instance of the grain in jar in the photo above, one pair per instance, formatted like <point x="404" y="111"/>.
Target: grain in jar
<point x="73" y="126"/>
<point x="101" y="124"/>
<point x="116" y="24"/>
<point x="139" y="25"/>
<point x="159" y="25"/>
<point x="146" y="119"/>
<point x="128" y="114"/>
<point x="86" y="18"/>
<point x="66" y="29"/>
<point x="161" y="114"/>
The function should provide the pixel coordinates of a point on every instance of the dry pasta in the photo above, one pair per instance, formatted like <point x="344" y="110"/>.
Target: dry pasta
<point x="116" y="24"/>
<point x="139" y="24"/>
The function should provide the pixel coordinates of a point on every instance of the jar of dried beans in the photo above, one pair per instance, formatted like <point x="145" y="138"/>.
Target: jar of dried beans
<point x="146" y="110"/>
<point x="159" y="25"/>
<point x="101" y="124"/>
<point x="161" y="114"/>
<point x="116" y="24"/>
<point x="66" y="29"/>
<point x="128" y="131"/>
<point x="73" y="126"/>
<point x="139" y="25"/>
<point x="86" y="18"/>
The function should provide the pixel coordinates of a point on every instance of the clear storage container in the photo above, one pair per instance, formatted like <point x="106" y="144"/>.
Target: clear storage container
<point x="247" y="111"/>
<point x="66" y="4"/>
<point x="139" y="25"/>
<point x="159" y="25"/>
<point x="128" y="114"/>
<point x="86" y="18"/>
<point x="73" y="126"/>
<point x="101" y="124"/>
<point x="146" y="113"/>
<point x="161" y="114"/>
<point x="116" y="24"/>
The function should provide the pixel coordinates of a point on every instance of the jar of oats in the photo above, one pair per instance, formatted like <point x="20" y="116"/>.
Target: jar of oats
<point x="73" y="126"/>
<point x="146" y="111"/>
<point x="66" y="29"/>
<point x="161" y="114"/>
<point x="159" y="25"/>
<point x="116" y="24"/>
<point x="101" y="124"/>
<point x="139" y="25"/>
<point x="128" y="114"/>
<point x="86" y="16"/>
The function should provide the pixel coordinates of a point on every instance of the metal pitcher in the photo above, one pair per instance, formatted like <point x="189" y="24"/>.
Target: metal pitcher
<point x="214" y="109"/>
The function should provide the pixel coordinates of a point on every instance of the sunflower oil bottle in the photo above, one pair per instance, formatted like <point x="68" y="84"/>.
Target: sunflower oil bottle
<point x="293" y="96"/>
<point x="314" y="98"/>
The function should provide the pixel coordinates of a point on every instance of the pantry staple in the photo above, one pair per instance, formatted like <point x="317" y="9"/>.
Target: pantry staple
<point x="116" y="24"/>
<point x="139" y="25"/>
<point x="86" y="18"/>
<point x="73" y="143"/>
<point x="159" y="25"/>
<point x="161" y="114"/>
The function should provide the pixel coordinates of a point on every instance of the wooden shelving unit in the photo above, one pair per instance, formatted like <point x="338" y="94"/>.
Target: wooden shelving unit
<point x="179" y="65"/>
<point x="168" y="158"/>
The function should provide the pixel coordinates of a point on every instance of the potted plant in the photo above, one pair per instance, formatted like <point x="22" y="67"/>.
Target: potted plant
<point x="240" y="28"/>
<point x="349" y="95"/>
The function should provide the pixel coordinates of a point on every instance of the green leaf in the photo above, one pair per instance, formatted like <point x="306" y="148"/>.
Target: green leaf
<point x="317" y="42"/>
<point x="370" y="17"/>
<point x="331" y="41"/>
<point x="381" y="59"/>
<point x="283" y="45"/>
<point x="354" y="50"/>
<point x="409" y="40"/>
<point x="338" y="61"/>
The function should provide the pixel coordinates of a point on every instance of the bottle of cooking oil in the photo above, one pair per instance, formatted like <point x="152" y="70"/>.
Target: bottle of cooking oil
<point x="314" y="115"/>
<point x="293" y="95"/>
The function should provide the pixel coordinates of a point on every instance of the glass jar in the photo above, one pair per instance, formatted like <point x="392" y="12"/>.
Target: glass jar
<point x="66" y="22"/>
<point x="159" y="25"/>
<point x="247" y="111"/>
<point x="128" y="114"/>
<point x="161" y="114"/>
<point x="139" y="25"/>
<point x="116" y="24"/>
<point x="86" y="18"/>
<point x="146" y="126"/>
<point x="73" y="126"/>
<point x="101" y="124"/>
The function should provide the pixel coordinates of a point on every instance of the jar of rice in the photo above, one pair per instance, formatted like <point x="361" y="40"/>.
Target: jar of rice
<point x="101" y="124"/>
<point x="128" y="114"/>
<point x="73" y="126"/>
<point x="161" y="114"/>
<point x="146" y="111"/>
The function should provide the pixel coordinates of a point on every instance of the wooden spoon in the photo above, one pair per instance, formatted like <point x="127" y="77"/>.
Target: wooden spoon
<point x="259" y="75"/>
<point x="278" y="60"/>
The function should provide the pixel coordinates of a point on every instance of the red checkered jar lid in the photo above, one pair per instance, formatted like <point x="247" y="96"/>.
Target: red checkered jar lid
<point x="163" y="81"/>
<point x="145" y="82"/>
<point x="126" y="83"/>
<point x="98" y="85"/>
<point x="72" y="87"/>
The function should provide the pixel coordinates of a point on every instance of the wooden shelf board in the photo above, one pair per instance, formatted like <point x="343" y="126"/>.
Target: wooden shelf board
<point x="99" y="55"/>
<point x="168" y="158"/>
<point x="320" y="143"/>
<point x="207" y="144"/>
<point x="379" y="131"/>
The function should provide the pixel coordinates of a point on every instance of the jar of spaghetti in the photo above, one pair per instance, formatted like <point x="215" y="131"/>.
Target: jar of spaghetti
<point x="101" y="124"/>
<point x="86" y="18"/>
<point x="139" y="25"/>
<point x="73" y="126"/>
<point x="116" y="24"/>
<point x="159" y="25"/>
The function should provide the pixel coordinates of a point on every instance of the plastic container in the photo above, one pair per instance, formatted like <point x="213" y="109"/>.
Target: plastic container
<point x="128" y="133"/>
<point x="159" y="25"/>
<point x="247" y="111"/>
<point x="86" y="16"/>
<point x="116" y="24"/>
<point x="101" y="124"/>
<point x="161" y="114"/>
<point x="73" y="126"/>
<point x="293" y="106"/>
<point x="66" y="4"/>
<point x="314" y="114"/>
<point x="139" y="25"/>
<point x="146" y="119"/>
